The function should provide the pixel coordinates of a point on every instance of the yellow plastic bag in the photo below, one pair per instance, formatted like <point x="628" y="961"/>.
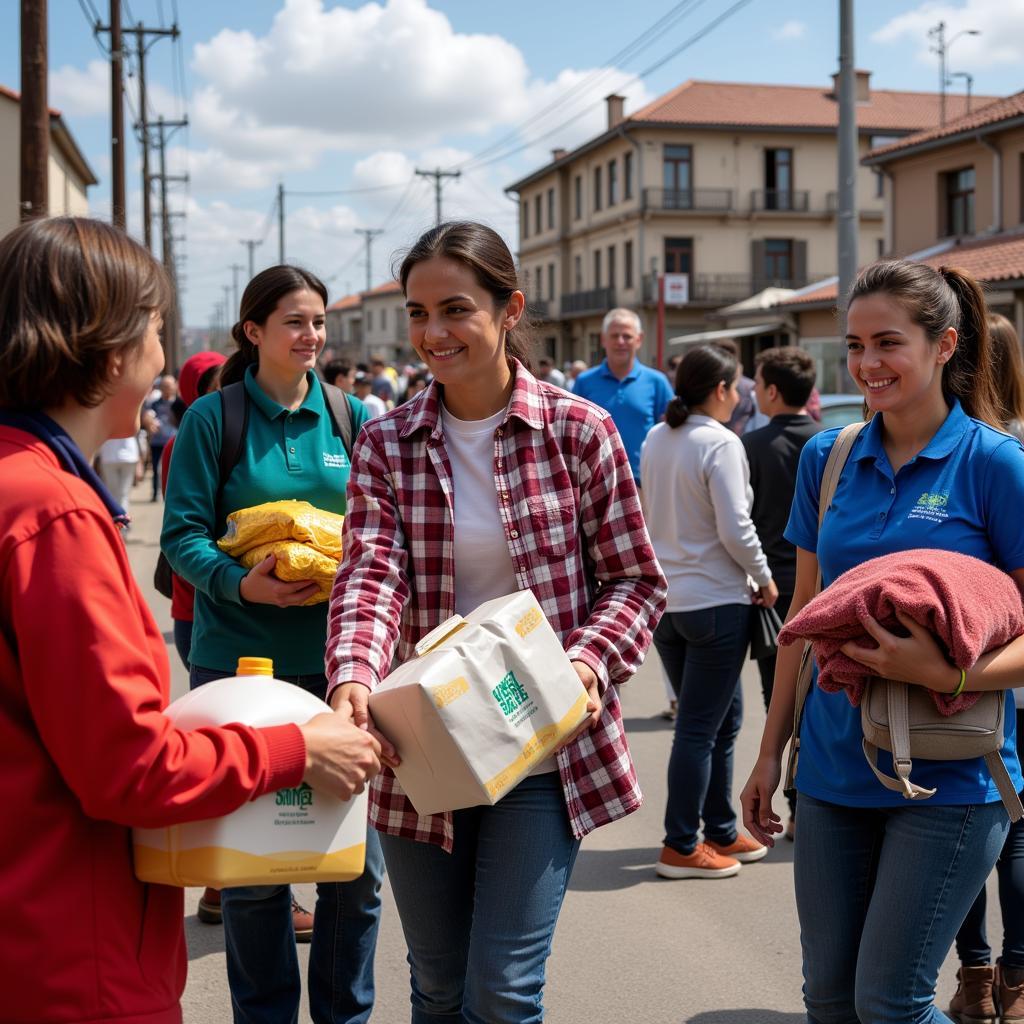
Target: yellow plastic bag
<point x="283" y="520"/>
<point x="297" y="561"/>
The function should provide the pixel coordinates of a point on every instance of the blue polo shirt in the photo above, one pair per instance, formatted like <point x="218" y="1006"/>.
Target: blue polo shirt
<point x="964" y="492"/>
<point x="635" y="403"/>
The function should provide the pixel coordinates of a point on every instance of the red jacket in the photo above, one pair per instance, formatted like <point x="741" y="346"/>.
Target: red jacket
<point x="87" y="754"/>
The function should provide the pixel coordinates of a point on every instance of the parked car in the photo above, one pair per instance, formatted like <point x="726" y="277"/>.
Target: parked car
<point x="839" y="410"/>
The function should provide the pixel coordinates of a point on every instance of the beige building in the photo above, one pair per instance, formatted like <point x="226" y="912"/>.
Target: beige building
<point x="70" y="174"/>
<point x="385" y="332"/>
<point x="732" y="185"/>
<point x="345" y="328"/>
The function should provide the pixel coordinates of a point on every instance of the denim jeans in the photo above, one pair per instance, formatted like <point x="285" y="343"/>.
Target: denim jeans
<point x="703" y="654"/>
<point x="971" y="941"/>
<point x="183" y="642"/>
<point x="766" y="669"/>
<point x="479" y="921"/>
<point x="881" y="893"/>
<point x="263" y="965"/>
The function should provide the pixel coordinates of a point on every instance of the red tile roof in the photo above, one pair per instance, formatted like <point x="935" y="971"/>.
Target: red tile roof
<point x="388" y="288"/>
<point x="744" y="105"/>
<point x="348" y="302"/>
<point x="991" y="113"/>
<point x="989" y="261"/>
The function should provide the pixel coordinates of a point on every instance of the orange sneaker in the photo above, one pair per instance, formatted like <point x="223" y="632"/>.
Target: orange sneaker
<point x="745" y="849"/>
<point x="704" y="862"/>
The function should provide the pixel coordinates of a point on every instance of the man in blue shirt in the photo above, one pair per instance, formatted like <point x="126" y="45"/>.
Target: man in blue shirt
<point x="634" y="395"/>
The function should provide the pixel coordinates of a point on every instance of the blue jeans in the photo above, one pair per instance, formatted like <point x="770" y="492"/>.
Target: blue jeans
<point x="479" y="921"/>
<point x="971" y="941"/>
<point x="881" y="893"/>
<point x="263" y="965"/>
<point x="183" y="643"/>
<point x="703" y="654"/>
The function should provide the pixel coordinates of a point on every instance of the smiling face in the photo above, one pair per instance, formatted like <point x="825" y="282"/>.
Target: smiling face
<point x="891" y="358"/>
<point x="457" y="329"/>
<point x="291" y="340"/>
<point x="621" y="343"/>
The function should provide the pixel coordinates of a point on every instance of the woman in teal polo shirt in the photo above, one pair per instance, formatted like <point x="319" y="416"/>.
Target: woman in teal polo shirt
<point x="290" y="451"/>
<point x="883" y="885"/>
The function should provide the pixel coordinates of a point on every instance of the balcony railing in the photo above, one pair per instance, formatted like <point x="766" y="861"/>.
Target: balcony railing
<point x="710" y="200"/>
<point x="781" y="200"/>
<point x="723" y="289"/>
<point x="538" y="309"/>
<point x="596" y="300"/>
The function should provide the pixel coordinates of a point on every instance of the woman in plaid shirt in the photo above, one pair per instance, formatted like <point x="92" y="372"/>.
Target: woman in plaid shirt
<point x="489" y="482"/>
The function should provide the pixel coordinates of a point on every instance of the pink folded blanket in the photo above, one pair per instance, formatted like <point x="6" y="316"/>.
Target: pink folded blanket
<point x="969" y="606"/>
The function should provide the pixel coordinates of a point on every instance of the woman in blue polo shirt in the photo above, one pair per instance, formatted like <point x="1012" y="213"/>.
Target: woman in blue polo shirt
<point x="290" y="451"/>
<point x="882" y="885"/>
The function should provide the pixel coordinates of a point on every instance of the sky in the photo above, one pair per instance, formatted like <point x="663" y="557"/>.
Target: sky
<point x="350" y="98"/>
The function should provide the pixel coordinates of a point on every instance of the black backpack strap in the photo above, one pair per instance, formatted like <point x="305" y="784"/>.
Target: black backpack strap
<point x="234" y="408"/>
<point x="339" y="407"/>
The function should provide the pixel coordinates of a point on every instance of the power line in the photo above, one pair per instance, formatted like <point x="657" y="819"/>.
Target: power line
<point x="348" y="191"/>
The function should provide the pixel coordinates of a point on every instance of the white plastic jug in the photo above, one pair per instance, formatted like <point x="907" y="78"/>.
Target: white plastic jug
<point x="293" y="835"/>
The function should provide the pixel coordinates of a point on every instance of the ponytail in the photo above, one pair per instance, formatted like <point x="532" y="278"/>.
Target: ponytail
<point x="238" y="362"/>
<point x="676" y="412"/>
<point x="699" y="373"/>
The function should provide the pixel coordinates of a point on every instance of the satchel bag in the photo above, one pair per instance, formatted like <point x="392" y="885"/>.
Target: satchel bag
<point x="764" y="632"/>
<point x="162" y="576"/>
<point x="902" y="718"/>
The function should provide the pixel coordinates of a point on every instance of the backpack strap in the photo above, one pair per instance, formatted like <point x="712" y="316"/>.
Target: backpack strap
<point x="829" y="482"/>
<point x="339" y="408"/>
<point x="897" y="697"/>
<point x="1001" y="777"/>
<point x="234" y="409"/>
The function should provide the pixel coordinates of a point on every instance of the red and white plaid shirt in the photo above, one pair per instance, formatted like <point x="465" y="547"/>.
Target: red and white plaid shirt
<point x="577" y="539"/>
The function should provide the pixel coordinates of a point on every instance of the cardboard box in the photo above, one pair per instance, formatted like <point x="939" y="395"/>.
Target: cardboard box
<point x="488" y="697"/>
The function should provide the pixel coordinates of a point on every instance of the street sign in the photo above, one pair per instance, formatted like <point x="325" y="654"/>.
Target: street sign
<point x="677" y="289"/>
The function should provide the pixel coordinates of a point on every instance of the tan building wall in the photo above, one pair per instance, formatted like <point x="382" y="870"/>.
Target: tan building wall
<point x="385" y="333"/>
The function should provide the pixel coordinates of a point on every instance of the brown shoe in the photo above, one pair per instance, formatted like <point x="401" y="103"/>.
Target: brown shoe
<point x="209" y="911"/>
<point x="973" y="1002"/>
<point x="1010" y="993"/>
<point x="302" y="920"/>
<point x="704" y="862"/>
<point x="744" y="849"/>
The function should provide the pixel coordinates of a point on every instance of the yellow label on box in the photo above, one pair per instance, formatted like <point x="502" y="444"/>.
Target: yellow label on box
<point x="445" y="693"/>
<point x="529" y="622"/>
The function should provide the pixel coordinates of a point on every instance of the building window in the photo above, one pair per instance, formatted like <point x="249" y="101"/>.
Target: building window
<point x="627" y="175"/>
<point x="881" y="247"/>
<point x="369" y="319"/>
<point x="577" y="273"/>
<point x="536" y="214"/>
<point x="383" y="319"/>
<point x="537" y="290"/>
<point x="613" y="182"/>
<point x="524" y="218"/>
<point x="597" y="268"/>
<point x="627" y="265"/>
<point x="678" y="255"/>
<point x="577" y="201"/>
<point x="597" y="188"/>
<point x="677" y="177"/>
<point x="551" y="281"/>
<point x="551" y="208"/>
<point x="778" y="260"/>
<point x="778" y="179"/>
<point x="611" y="266"/>
<point x="879" y="185"/>
<point x="960" y="202"/>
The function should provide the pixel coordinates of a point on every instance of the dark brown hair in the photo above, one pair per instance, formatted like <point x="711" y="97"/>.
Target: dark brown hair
<point x="259" y="300"/>
<point x="483" y="251"/>
<point x="700" y="371"/>
<point x="791" y="370"/>
<point x="73" y="293"/>
<point x="1009" y="368"/>
<point x="936" y="300"/>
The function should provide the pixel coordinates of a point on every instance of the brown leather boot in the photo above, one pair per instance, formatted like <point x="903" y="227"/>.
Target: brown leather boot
<point x="973" y="1002"/>
<point x="1010" y="993"/>
<point x="209" y="911"/>
<point x="302" y="920"/>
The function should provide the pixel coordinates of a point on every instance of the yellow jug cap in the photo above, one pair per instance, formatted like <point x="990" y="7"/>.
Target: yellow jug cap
<point x="255" y="667"/>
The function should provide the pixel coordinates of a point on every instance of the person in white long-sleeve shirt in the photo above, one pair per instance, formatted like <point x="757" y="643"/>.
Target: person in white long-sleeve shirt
<point x="697" y="494"/>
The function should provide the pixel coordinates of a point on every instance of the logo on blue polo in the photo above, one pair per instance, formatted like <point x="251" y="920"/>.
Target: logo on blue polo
<point x="932" y="507"/>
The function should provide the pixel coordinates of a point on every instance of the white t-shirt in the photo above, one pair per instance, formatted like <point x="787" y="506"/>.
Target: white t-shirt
<point x="374" y="406"/>
<point x="483" y="565"/>
<point x="120" y="449"/>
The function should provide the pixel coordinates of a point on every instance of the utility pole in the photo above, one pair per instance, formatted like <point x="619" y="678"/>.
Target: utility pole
<point x="280" y="223"/>
<point x="235" y="268"/>
<point x="941" y="47"/>
<point x="117" y="198"/>
<point x="35" y="112"/>
<point x="251" y="244"/>
<point x="848" y="219"/>
<point x="172" y="323"/>
<point x="140" y="32"/>
<point x="437" y="174"/>
<point x="368" y="234"/>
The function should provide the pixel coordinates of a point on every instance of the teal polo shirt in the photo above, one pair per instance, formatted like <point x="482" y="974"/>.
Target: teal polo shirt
<point x="635" y="403"/>
<point x="287" y="454"/>
<point x="963" y="492"/>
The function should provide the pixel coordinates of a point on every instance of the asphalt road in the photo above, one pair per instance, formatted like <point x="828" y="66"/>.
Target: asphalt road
<point x="630" y="946"/>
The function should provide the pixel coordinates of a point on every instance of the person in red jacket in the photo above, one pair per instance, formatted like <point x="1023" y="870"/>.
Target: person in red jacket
<point x="84" y="675"/>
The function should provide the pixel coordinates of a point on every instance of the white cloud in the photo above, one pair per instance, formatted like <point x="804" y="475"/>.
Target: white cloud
<point x="999" y="22"/>
<point x="81" y="93"/>
<point x="791" y="29"/>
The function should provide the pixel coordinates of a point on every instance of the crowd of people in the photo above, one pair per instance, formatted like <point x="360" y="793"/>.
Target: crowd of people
<point x="675" y="509"/>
